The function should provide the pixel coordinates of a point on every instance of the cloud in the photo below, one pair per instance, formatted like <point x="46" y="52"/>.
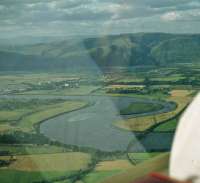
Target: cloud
<point x="189" y="16"/>
<point x="171" y="16"/>
<point x="83" y="16"/>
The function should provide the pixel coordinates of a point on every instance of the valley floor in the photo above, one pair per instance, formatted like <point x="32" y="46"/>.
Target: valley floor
<point x="28" y="156"/>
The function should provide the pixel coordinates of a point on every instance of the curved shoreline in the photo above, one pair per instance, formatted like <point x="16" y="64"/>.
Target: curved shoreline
<point x="37" y="125"/>
<point x="167" y="107"/>
<point x="163" y="103"/>
<point x="96" y="128"/>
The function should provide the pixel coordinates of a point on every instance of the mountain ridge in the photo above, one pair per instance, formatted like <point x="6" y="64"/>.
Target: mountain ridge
<point x="156" y="49"/>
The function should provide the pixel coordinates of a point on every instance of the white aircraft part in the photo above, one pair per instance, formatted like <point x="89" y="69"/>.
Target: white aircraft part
<point x="185" y="156"/>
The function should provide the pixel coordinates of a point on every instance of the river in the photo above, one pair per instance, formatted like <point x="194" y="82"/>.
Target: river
<point x="93" y="126"/>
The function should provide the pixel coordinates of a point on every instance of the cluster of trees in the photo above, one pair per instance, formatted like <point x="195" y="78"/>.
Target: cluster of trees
<point x="23" y="138"/>
<point x="192" y="79"/>
<point x="5" y="153"/>
<point x="4" y="163"/>
<point x="10" y="104"/>
<point x="145" y="90"/>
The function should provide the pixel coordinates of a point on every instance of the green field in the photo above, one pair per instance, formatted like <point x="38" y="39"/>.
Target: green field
<point x="31" y="149"/>
<point x="157" y="164"/>
<point x="168" y="126"/>
<point x="140" y="108"/>
<point x="38" y="167"/>
<point x="46" y="83"/>
<point x="106" y="169"/>
<point x="14" y="176"/>
<point x="23" y="115"/>
<point x="69" y="161"/>
<point x="141" y="157"/>
<point x="82" y="90"/>
<point x="181" y="97"/>
<point x="99" y="176"/>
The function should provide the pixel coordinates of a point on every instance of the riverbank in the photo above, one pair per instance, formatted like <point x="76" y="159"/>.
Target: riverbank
<point x="141" y="124"/>
<point x="27" y="115"/>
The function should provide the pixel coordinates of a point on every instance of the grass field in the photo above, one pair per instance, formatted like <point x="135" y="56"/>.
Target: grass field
<point x="141" y="157"/>
<point x="153" y="96"/>
<point x="173" y="78"/>
<point x="13" y="81"/>
<point x="6" y="127"/>
<point x="31" y="149"/>
<point x="15" y="176"/>
<point x="140" y="108"/>
<point x="168" y="126"/>
<point x="180" y="97"/>
<point x="38" y="167"/>
<point x="82" y="90"/>
<point x="106" y="169"/>
<point x="14" y="109"/>
<point x="99" y="176"/>
<point x="113" y="165"/>
<point x="26" y="115"/>
<point x="157" y="164"/>
<point x="172" y="124"/>
<point x="28" y="122"/>
<point x="45" y="83"/>
<point x="131" y="79"/>
<point x="50" y="162"/>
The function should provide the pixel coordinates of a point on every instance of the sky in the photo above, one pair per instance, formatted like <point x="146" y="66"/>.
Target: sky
<point x="97" y="17"/>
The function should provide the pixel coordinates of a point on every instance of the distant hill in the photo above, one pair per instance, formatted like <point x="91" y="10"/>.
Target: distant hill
<point x="178" y="50"/>
<point x="156" y="49"/>
<point x="12" y="61"/>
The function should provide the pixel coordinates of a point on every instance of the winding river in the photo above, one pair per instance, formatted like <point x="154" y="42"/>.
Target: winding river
<point x="93" y="126"/>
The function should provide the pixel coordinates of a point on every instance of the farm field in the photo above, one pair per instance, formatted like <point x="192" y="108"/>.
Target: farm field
<point x="39" y="167"/>
<point x="99" y="176"/>
<point x="157" y="164"/>
<point x="141" y="157"/>
<point x="168" y="126"/>
<point x="73" y="161"/>
<point x="10" y="176"/>
<point x="106" y="169"/>
<point x="16" y="149"/>
<point x="47" y="83"/>
<point x="17" y="80"/>
<point x="82" y="90"/>
<point x="113" y="165"/>
<point x="18" y="115"/>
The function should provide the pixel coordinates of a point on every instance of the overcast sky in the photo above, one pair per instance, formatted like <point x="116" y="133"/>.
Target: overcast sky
<point x="97" y="17"/>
